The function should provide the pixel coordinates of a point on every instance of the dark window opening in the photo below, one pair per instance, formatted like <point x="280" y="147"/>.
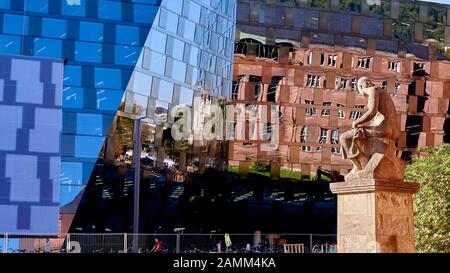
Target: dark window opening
<point x="256" y="81"/>
<point x="272" y="91"/>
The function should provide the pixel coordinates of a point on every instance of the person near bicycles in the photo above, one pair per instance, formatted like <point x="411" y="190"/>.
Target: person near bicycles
<point x="158" y="247"/>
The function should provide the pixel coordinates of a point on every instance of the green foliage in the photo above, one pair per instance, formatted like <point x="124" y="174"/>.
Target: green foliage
<point x="353" y="5"/>
<point x="319" y="3"/>
<point x="432" y="203"/>
<point x="382" y="9"/>
<point x="259" y="167"/>
<point x="288" y="174"/>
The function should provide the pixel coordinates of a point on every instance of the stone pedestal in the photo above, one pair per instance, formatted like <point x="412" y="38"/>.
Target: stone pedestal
<point x="275" y="170"/>
<point x="375" y="216"/>
<point x="244" y="168"/>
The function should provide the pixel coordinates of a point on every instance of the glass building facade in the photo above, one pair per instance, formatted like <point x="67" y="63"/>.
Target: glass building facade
<point x="187" y="57"/>
<point x="111" y="78"/>
<point x="100" y="42"/>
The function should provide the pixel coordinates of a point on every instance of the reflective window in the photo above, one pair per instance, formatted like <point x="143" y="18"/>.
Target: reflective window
<point x="178" y="70"/>
<point x="47" y="48"/>
<point x="15" y="24"/>
<point x="126" y="55"/>
<point x="186" y="96"/>
<point x="91" y="31"/>
<point x="192" y="11"/>
<point x="186" y="29"/>
<point x="109" y="99"/>
<point x="158" y="63"/>
<point x="175" y="6"/>
<point x="9" y="44"/>
<point x="72" y="8"/>
<point x="175" y="48"/>
<point x="73" y="97"/>
<point x="36" y="6"/>
<point x="192" y="55"/>
<point x="89" y="124"/>
<point x="136" y="104"/>
<point x="87" y="146"/>
<point x="142" y="83"/>
<point x="54" y="28"/>
<point x="165" y="91"/>
<point x="127" y="35"/>
<point x="168" y="20"/>
<point x="88" y="52"/>
<point x="72" y="75"/>
<point x="109" y="10"/>
<point x="5" y="4"/>
<point x="108" y="78"/>
<point x="157" y="41"/>
<point x="145" y="13"/>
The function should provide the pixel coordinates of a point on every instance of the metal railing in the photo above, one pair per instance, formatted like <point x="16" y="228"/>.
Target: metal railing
<point x="168" y="243"/>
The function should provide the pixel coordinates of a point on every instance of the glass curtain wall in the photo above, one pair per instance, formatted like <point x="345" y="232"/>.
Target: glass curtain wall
<point x="187" y="57"/>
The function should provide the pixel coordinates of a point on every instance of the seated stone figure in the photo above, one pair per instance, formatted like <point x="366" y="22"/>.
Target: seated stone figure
<point x="370" y="145"/>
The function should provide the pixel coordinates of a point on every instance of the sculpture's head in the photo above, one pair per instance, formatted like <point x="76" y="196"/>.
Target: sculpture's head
<point x="363" y="84"/>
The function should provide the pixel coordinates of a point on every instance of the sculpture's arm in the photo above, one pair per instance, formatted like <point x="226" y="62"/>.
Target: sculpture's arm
<point x="372" y="108"/>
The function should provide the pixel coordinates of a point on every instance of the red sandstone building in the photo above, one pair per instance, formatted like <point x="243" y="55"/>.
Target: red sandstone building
<point x="308" y="68"/>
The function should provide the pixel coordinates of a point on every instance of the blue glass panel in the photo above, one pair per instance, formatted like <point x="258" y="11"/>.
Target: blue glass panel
<point x="5" y="4"/>
<point x="74" y="8"/>
<point x="109" y="99"/>
<point x="90" y="124"/>
<point x="91" y="31"/>
<point x="126" y="55"/>
<point x="54" y="28"/>
<point x="88" y="52"/>
<point x="37" y="6"/>
<point x="127" y="35"/>
<point x="73" y="97"/>
<point x="157" y="41"/>
<point x="9" y="44"/>
<point x="108" y="78"/>
<point x="47" y="48"/>
<point x="175" y="6"/>
<point x="88" y="146"/>
<point x="69" y="123"/>
<point x="186" y="96"/>
<point x="178" y="70"/>
<point x="165" y="91"/>
<point x="69" y="193"/>
<point x="149" y="2"/>
<point x="109" y="10"/>
<point x="71" y="173"/>
<point x="158" y="63"/>
<point x="15" y="24"/>
<point x="168" y="20"/>
<point x="145" y="13"/>
<point x="72" y="75"/>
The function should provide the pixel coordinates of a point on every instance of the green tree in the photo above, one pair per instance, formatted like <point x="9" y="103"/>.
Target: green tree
<point x="432" y="202"/>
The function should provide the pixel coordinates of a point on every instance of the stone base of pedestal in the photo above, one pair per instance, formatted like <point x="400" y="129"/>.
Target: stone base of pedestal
<point x="275" y="170"/>
<point x="375" y="216"/>
<point x="244" y="169"/>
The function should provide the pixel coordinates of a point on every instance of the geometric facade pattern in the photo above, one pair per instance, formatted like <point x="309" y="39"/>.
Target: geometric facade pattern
<point x="187" y="57"/>
<point x="30" y="122"/>
<point x="100" y="42"/>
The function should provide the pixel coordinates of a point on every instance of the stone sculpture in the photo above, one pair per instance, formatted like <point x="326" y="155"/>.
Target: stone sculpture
<point x="370" y="145"/>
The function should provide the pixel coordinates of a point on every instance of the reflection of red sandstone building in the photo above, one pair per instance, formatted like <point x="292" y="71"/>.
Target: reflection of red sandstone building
<point x="315" y="89"/>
